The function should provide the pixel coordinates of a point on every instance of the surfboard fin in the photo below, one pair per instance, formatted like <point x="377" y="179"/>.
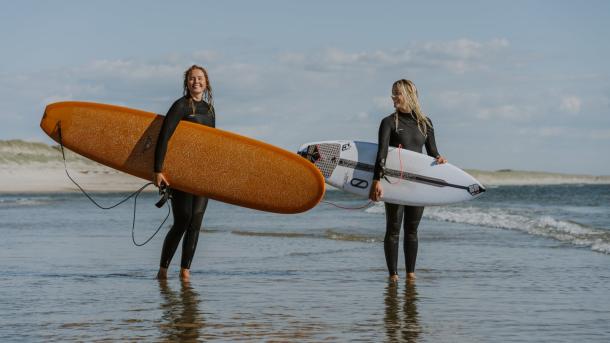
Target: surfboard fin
<point x="311" y="154"/>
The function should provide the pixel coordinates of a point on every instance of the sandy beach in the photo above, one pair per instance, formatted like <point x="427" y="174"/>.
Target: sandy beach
<point x="27" y="167"/>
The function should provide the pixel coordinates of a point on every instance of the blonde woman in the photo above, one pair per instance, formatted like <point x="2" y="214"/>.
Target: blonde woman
<point x="195" y="106"/>
<point x="407" y="128"/>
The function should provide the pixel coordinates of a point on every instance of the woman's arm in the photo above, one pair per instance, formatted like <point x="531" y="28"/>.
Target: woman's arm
<point x="382" y="148"/>
<point x="170" y="123"/>
<point x="431" y="145"/>
<point x="382" y="153"/>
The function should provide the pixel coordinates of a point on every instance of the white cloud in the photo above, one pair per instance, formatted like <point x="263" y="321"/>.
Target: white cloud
<point x="457" y="56"/>
<point x="603" y="134"/>
<point x="206" y="56"/>
<point x="362" y="115"/>
<point x="505" y="112"/>
<point x="254" y="131"/>
<point x="383" y="103"/>
<point x="458" y="100"/>
<point x="128" y="69"/>
<point x="546" y="131"/>
<point x="298" y="97"/>
<point x="486" y="105"/>
<point x="570" y="104"/>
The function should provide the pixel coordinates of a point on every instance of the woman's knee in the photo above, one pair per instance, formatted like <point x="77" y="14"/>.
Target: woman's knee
<point x="411" y="230"/>
<point x="182" y="217"/>
<point x="392" y="233"/>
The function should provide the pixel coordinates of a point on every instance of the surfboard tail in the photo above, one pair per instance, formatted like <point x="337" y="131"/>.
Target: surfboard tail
<point x="324" y="155"/>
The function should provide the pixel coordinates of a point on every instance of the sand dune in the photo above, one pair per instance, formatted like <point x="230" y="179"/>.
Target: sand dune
<point x="27" y="167"/>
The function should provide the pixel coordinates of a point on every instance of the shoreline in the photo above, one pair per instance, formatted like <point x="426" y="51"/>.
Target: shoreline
<point x="49" y="178"/>
<point x="509" y="177"/>
<point x="29" y="168"/>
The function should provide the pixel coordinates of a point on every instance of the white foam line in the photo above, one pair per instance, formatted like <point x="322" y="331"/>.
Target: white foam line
<point x="545" y="226"/>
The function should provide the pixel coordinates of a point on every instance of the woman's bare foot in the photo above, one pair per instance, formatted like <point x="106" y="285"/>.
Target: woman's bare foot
<point x="411" y="276"/>
<point x="185" y="274"/>
<point x="394" y="278"/>
<point x="162" y="274"/>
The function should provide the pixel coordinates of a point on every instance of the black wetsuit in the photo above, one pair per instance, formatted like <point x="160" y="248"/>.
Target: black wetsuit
<point x="408" y="136"/>
<point x="188" y="209"/>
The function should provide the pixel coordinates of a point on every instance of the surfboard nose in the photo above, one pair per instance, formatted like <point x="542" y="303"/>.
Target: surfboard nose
<point x="50" y="121"/>
<point x="56" y="115"/>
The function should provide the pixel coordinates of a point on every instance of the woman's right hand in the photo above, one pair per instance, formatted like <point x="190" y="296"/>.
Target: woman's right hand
<point x="376" y="191"/>
<point x="160" y="180"/>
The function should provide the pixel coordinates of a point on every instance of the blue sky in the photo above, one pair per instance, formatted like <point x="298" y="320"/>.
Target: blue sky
<point x="521" y="84"/>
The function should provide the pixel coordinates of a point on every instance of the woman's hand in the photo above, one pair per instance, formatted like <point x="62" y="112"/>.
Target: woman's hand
<point x="376" y="191"/>
<point x="160" y="180"/>
<point x="441" y="160"/>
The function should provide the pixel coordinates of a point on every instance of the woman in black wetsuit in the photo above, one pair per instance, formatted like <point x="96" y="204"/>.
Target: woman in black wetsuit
<point x="195" y="106"/>
<point x="410" y="129"/>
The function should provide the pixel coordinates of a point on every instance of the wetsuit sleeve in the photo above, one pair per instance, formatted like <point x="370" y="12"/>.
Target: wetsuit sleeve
<point x="431" y="142"/>
<point x="170" y="122"/>
<point x="213" y="111"/>
<point x="382" y="148"/>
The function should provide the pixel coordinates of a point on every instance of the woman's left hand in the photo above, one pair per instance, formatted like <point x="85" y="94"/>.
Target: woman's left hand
<point x="441" y="160"/>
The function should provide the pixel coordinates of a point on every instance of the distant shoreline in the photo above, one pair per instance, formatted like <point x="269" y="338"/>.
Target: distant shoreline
<point x="508" y="177"/>
<point x="28" y="167"/>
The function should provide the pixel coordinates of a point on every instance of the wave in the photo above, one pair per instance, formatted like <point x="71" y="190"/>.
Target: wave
<point x="18" y="202"/>
<point x="273" y="234"/>
<point x="546" y="226"/>
<point x="327" y="234"/>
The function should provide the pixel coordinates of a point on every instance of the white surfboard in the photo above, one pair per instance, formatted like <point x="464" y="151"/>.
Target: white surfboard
<point x="410" y="178"/>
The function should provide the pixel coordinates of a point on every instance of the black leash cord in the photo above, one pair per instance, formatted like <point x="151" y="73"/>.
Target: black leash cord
<point x="133" y="223"/>
<point x="162" y="191"/>
<point x="367" y="205"/>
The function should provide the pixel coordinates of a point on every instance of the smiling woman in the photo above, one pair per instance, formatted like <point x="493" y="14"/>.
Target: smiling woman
<point x="188" y="209"/>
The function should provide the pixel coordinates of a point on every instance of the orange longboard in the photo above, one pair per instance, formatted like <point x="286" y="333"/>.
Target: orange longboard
<point x="200" y="160"/>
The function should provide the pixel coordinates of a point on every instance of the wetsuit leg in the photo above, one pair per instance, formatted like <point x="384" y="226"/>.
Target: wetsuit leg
<point x="182" y="204"/>
<point x="412" y="217"/>
<point x="393" y="215"/>
<point x="189" y="243"/>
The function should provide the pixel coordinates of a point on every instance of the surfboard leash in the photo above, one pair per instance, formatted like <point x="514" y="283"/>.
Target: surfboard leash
<point x="367" y="205"/>
<point x="164" y="192"/>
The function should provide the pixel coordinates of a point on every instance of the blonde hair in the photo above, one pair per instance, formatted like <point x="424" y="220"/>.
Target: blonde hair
<point x="409" y="92"/>
<point x="207" y="93"/>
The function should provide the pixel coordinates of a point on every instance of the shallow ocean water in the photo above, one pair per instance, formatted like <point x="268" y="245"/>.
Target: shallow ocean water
<point x="517" y="265"/>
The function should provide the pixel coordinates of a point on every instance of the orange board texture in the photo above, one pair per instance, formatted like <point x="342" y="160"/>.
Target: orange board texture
<point x="200" y="160"/>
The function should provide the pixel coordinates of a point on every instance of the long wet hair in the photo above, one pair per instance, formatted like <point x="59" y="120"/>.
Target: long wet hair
<point x="409" y="92"/>
<point x="207" y="93"/>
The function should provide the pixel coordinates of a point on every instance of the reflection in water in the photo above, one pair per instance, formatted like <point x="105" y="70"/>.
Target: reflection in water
<point x="401" y="323"/>
<point x="181" y="320"/>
